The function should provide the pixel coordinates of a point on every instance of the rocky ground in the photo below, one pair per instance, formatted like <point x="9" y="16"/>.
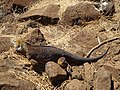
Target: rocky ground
<point x="53" y="25"/>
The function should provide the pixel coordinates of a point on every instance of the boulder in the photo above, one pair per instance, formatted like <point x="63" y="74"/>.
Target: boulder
<point x="48" y="14"/>
<point x="77" y="14"/>
<point x="55" y="72"/>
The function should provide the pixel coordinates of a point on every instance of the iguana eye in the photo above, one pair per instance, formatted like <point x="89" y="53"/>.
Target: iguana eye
<point x="18" y="48"/>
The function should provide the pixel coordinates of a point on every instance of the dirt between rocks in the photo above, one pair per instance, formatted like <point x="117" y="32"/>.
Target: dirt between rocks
<point x="15" y="69"/>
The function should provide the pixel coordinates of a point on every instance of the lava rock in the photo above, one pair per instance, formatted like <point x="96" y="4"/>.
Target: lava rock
<point x="55" y="72"/>
<point x="79" y="13"/>
<point x="48" y="14"/>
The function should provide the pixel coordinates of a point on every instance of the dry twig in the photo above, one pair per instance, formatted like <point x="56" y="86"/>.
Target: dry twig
<point x="100" y="44"/>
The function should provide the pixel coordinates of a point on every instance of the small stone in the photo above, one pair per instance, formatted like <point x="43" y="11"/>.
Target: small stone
<point x="55" y="72"/>
<point x="75" y="85"/>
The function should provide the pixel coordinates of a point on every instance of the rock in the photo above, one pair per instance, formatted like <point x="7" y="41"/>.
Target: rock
<point x="7" y="78"/>
<point x="78" y="73"/>
<point x="16" y="5"/>
<point x="5" y="44"/>
<point x="8" y="81"/>
<point x="103" y="80"/>
<point x="24" y="2"/>
<point x="9" y="3"/>
<point x="55" y="72"/>
<point x="35" y="37"/>
<point x="10" y="28"/>
<point x="3" y="67"/>
<point x="2" y="13"/>
<point x="89" y="72"/>
<point x="45" y="15"/>
<point x="117" y="63"/>
<point x="75" y="85"/>
<point x="7" y="18"/>
<point x="84" y="11"/>
<point x="9" y="68"/>
<point x="115" y="72"/>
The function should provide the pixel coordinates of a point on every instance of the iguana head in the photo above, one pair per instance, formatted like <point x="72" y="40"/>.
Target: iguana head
<point x="19" y="44"/>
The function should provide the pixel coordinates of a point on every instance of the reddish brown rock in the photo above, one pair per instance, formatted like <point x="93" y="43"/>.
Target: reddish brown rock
<point x="5" y="44"/>
<point x="48" y="14"/>
<point x="78" y="13"/>
<point x="48" y="11"/>
<point x="75" y="85"/>
<point x="55" y="72"/>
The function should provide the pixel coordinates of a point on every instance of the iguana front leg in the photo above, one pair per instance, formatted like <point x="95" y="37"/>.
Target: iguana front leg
<point x="64" y="64"/>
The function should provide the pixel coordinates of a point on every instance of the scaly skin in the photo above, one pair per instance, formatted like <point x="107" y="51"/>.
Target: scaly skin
<point x="48" y="53"/>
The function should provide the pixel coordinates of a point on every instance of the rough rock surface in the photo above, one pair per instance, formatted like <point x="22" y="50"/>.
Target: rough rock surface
<point x="48" y="14"/>
<point x="114" y="71"/>
<point x="55" y="72"/>
<point x="75" y="85"/>
<point x="76" y="39"/>
<point x="35" y="37"/>
<point x="79" y="13"/>
<point x="78" y="73"/>
<point x="5" y="44"/>
<point x="9" y="82"/>
<point x="103" y="80"/>
<point x="8" y="79"/>
<point x="9" y="3"/>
